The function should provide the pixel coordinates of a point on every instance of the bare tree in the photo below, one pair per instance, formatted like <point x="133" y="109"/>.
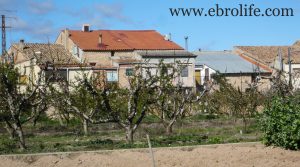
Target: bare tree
<point x="25" y="96"/>
<point x="94" y="100"/>
<point x="135" y="100"/>
<point x="173" y="100"/>
<point x="242" y="104"/>
<point x="19" y="106"/>
<point x="86" y="99"/>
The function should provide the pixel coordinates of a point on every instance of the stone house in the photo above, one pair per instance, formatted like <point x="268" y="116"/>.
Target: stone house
<point x="238" y="71"/>
<point x="116" y="52"/>
<point x="275" y="58"/>
<point x="31" y="58"/>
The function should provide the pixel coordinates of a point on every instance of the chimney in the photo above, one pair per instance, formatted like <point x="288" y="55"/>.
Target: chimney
<point x="170" y="37"/>
<point x="66" y="38"/>
<point x="100" y="40"/>
<point x="22" y="44"/>
<point x="186" y="38"/>
<point x="86" y="28"/>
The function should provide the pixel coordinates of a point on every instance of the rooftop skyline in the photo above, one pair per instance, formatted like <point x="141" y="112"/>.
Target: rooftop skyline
<point x="41" y="21"/>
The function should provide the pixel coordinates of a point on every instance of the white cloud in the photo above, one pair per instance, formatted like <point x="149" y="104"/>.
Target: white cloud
<point x="99" y="15"/>
<point x="114" y="11"/>
<point x="40" y="30"/>
<point x="40" y="7"/>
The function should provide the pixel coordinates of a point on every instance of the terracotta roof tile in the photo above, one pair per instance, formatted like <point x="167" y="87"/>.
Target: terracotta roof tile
<point x="54" y="53"/>
<point x="268" y="54"/>
<point x="297" y="44"/>
<point x="122" y="40"/>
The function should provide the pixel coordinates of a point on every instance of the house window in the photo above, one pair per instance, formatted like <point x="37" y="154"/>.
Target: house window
<point x="60" y="75"/>
<point x="185" y="72"/>
<point x="129" y="72"/>
<point x="112" y="53"/>
<point x="92" y="63"/>
<point x="112" y="76"/>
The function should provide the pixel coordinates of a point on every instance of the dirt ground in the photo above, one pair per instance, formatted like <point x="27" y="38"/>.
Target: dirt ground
<point x="233" y="155"/>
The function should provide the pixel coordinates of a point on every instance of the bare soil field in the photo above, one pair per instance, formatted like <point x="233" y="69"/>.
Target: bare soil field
<point x="233" y="155"/>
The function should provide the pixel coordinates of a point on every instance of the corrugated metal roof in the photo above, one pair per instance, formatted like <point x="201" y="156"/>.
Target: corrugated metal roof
<point x="226" y="62"/>
<point x="165" y="53"/>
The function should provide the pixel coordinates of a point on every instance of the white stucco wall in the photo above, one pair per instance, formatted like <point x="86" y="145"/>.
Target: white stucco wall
<point x="295" y="74"/>
<point x="190" y="62"/>
<point x="31" y="71"/>
<point x="202" y="72"/>
<point x="75" y="74"/>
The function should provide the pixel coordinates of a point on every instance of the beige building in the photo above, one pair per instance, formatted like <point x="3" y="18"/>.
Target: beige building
<point x="32" y="58"/>
<point x="239" y="72"/>
<point x="116" y="52"/>
<point x="275" y="58"/>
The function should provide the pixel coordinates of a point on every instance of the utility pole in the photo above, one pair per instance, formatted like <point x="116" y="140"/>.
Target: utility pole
<point x="3" y="35"/>
<point x="290" y="68"/>
<point x="3" y="28"/>
<point x="280" y="60"/>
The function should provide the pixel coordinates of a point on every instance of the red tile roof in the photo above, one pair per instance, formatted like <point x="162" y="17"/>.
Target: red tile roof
<point x="122" y="40"/>
<point x="268" y="54"/>
<point x="52" y="53"/>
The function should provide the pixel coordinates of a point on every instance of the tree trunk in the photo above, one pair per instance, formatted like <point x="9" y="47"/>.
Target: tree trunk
<point x="10" y="130"/>
<point x="245" y="125"/>
<point x="169" y="129"/>
<point x="129" y="135"/>
<point x="20" y="134"/>
<point x="85" y="127"/>
<point x="61" y="122"/>
<point x="169" y="126"/>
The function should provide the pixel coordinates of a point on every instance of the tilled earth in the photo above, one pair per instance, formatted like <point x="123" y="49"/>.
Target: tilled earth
<point x="233" y="155"/>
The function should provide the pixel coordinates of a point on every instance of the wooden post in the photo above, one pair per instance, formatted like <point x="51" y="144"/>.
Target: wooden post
<point x="151" y="152"/>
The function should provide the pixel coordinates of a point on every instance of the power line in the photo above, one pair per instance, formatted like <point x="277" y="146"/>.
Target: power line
<point x="8" y="11"/>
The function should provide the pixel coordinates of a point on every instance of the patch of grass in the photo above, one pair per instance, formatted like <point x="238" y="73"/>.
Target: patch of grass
<point x="151" y="119"/>
<point x="107" y="137"/>
<point x="177" y="140"/>
<point x="215" y="140"/>
<point x="7" y="145"/>
<point x="201" y="117"/>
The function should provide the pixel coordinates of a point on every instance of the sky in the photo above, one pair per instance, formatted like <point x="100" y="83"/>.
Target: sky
<point x="42" y="20"/>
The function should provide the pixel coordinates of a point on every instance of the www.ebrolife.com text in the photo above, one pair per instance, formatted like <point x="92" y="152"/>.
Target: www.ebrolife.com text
<point x="242" y="10"/>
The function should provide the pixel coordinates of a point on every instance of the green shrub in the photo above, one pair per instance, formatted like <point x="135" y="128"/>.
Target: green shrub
<point x="281" y="123"/>
<point x="215" y="140"/>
